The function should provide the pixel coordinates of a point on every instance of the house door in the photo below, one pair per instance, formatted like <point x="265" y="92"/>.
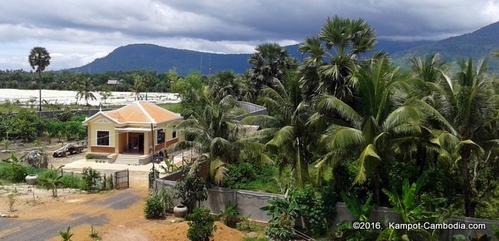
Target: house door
<point x="141" y="143"/>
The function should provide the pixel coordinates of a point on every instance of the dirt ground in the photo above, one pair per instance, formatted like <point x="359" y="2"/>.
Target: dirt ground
<point x="115" y="215"/>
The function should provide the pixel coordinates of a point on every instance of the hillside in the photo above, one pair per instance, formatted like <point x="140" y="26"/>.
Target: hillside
<point x="477" y="44"/>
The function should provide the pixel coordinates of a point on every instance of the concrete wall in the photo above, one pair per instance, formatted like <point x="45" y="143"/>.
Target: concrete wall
<point x="249" y="204"/>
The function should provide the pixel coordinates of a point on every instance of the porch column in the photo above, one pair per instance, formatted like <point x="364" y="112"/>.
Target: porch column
<point x="117" y="142"/>
<point x="89" y="139"/>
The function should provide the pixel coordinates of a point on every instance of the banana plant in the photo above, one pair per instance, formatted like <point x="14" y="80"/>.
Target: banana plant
<point x="360" y="213"/>
<point x="412" y="210"/>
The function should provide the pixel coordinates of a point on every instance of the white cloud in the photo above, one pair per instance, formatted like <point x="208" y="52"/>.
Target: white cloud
<point x="76" y="32"/>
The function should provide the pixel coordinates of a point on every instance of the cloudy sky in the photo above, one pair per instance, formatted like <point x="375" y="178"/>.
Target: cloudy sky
<point x="75" y="32"/>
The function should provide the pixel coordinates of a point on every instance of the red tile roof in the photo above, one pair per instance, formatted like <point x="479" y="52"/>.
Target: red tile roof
<point x="139" y="112"/>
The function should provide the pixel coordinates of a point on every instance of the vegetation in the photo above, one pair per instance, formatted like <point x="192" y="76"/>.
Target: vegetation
<point x="192" y="188"/>
<point x="66" y="235"/>
<point x="345" y="119"/>
<point x="201" y="225"/>
<point x="39" y="59"/>
<point x="154" y="207"/>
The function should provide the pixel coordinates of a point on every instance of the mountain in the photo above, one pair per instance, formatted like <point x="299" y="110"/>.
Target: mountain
<point x="477" y="44"/>
<point x="161" y="59"/>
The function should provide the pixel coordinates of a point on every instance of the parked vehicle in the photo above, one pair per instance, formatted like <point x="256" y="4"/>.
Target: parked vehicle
<point x="68" y="148"/>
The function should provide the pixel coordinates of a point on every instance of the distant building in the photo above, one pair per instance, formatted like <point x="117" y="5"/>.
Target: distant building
<point x="114" y="82"/>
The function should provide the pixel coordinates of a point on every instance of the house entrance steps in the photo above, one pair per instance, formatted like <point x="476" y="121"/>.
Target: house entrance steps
<point x="128" y="159"/>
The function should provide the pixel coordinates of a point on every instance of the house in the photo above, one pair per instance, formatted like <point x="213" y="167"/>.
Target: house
<point x="113" y="82"/>
<point x="126" y="134"/>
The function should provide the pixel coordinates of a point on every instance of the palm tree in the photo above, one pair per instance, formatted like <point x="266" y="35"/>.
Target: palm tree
<point x="39" y="58"/>
<point x="284" y="130"/>
<point x="83" y="86"/>
<point x="225" y="83"/>
<point x="469" y="104"/>
<point x="213" y="132"/>
<point x="270" y="61"/>
<point x="138" y="86"/>
<point x="370" y="134"/>
<point x="333" y="57"/>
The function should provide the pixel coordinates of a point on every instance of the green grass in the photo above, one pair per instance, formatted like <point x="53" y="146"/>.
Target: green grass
<point x="174" y="107"/>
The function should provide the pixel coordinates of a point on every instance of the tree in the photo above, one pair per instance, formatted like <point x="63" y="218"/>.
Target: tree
<point x="270" y="61"/>
<point x="138" y="86"/>
<point x="39" y="59"/>
<point x="83" y="86"/>
<point x="225" y="83"/>
<point x="211" y="130"/>
<point x="371" y="133"/>
<point x="333" y="57"/>
<point x="105" y="93"/>
<point x="469" y="105"/>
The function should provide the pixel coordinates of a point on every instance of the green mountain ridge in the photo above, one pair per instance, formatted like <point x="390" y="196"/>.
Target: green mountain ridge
<point x="477" y="44"/>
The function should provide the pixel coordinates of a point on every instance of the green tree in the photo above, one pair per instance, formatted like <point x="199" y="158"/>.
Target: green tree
<point x="468" y="103"/>
<point x="333" y="57"/>
<point x="39" y="59"/>
<point x="270" y="61"/>
<point x="138" y="86"/>
<point x="84" y="87"/>
<point x="371" y="133"/>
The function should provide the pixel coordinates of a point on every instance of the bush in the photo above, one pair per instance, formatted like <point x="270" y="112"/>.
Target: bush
<point x="71" y="181"/>
<point x="154" y="207"/>
<point x="15" y="172"/>
<point x="89" y="156"/>
<point x="201" y="225"/>
<point x="90" y="178"/>
<point x="45" y="176"/>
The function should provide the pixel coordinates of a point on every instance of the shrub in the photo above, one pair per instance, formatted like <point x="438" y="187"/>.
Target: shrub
<point x="89" y="156"/>
<point x="192" y="188"/>
<point x="154" y="207"/>
<point x="71" y="181"/>
<point x="45" y="176"/>
<point x="14" y="170"/>
<point x="90" y="178"/>
<point x="201" y="225"/>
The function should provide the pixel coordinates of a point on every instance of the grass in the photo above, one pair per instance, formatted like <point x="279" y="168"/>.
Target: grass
<point x="174" y="107"/>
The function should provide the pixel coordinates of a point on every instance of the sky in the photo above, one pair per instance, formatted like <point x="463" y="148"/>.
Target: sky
<point x="76" y="32"/>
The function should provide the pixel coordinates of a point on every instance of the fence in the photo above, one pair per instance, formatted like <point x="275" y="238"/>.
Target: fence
<point x="248" y="203"/>
<point x="122" y="179"/>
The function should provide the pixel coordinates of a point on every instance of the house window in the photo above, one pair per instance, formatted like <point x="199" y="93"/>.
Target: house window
<point x="161" y="136"/>
<point x="103" y="138"/>
<point x="174" y="133"/>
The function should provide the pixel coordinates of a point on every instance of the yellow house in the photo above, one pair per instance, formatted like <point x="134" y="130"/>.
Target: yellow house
<point x="128" y="134"/>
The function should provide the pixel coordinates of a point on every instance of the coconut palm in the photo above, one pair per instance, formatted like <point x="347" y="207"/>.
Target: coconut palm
<point x="138" y="86"/>
<point x="83" y="86"/>
<point x="333" y="57"/>
<point x="469" y="104"/>
<point x="284" y="130"/>
<point x="39" y="59"/>
<point x="371" y="133"/>
<point x="214" y="133"/>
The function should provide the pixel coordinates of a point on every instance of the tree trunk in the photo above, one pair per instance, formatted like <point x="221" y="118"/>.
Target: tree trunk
<point x="40" y="89"/>
<point x="469" y="207"/>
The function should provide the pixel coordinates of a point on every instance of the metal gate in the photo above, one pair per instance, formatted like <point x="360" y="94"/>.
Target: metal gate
<point x="122" y="179"/>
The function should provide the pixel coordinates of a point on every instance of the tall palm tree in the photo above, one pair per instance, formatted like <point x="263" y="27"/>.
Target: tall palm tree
<point x="469" y="104"/>
<point x="370" y="133"/>
<point x="333" y="57"/>
<point x="39" y="59"/>
<point x="270" y="61"/>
